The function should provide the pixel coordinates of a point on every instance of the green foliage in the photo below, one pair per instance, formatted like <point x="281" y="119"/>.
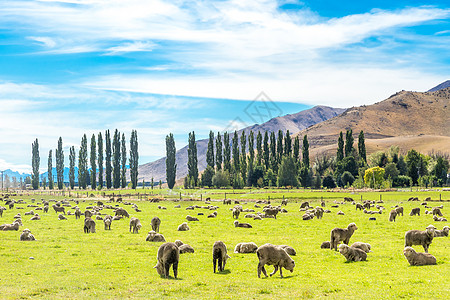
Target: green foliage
<point x="186" y="182"/>
<point x="280" y="149"/>
<point x="270" y="178"/>
<point x="82" y="164"/>
<point x="305" y="152"/>
<point x="259" y="151"/>
<point x="60" y="164"/>
<point x="192" y="159"/>
<point x="251" y="150"/>
<point x="317" y="182"/>
<point x="390" y="170"/>
<point x="273" y="153"/>
<point x="236" y="155"/>
<point x="50" y="170"/>
<point x="401" y="165"/>
<point x="374" y="177"/>
<point x="226" y="152"/>
<point x="287" y="144"/>
<point x="108" y="156"/>
<point x="243" y="160"/>
<point x="134" y="159"/>
<point x="296" y="150"/>
<point x="221" y="179"/>
<point x="254" y="175"/>
<point x="440" y="170"/>
<point x="171" y="166"/>
<point x="306" y="177"/>
<point x="35" y="161"/>
<point x="328" y="182"/>
<point x="402" y="181"/>
<point x="238" y="182"/>
<point x="362" y="146"/>
<point x="219" y="157"/>
<point x="72" y="158"/>
<point x="116" y="159"/>
<point x="100" y="160"/>
<point x="123" y="155"/>
<point x="93" y="159"/>
<point x="340" y="149"/>
<point x="207" y="176"/>
<point x="321" y="163"/>
<point x="287" y="174"/>
<point x="412" y="165"/>
<point x="266" y="150"/>
<point x="347" y="178"/>
<point x="349" y="143"/>
<point x="210" y="150"/>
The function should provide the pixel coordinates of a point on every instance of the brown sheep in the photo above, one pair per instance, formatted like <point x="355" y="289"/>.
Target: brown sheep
<point x="417" y="258"/>
<point x="318" y="212"/>
<point x="304" y="205"/>
<point x="220" y="256"/>
<point x="89" y="225"/>
<point x="178" y="243"/>
<point x="183" y="227"/>
<point x="399" y="210"/>
<point x="155" y="224"/>
<point x="415" y="211"/>
<point x="436" y="211"/>
<point x="359" y="206"/>
<point x="443" y="232"/>
<point x="352" y="254"/>
<point x="271" y="211"/>
<point x="10" y="227"/>
<point x="439" y="219"/>
<point x="289" y="250"/>
<point x="168" y="254"/>
<point x="363" y="246"/>
<point x="185" y="248"/>
<point x="325" y="245"/>
<point x="107" y="220"/>
<point x="417" y="237"/>
<point x="392" y="215"/>
<point x="135" y="224"/>
<point x="342" y="234"/>
<point x="58" y="208"/>
<point x="189" y="218"/>
<point x="122" y="212"/>
<point x="27" y="235"/>
<point x="243" y="225"/>
<point x="77" y="213"/>
<point x="269" y="254"/>
<point x="213" y="214"/>
<point x="245" y="248"/>
<point x="155" y="237"/>
<point x="46" y="208"/>
<point x="61" y="217"/>
<point x="36" y="217"/>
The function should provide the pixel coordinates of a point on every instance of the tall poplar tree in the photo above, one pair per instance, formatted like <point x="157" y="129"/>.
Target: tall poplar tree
<point x="348" y="143"/>
<point x="296" y="149"/>
<point x="288" y="144"/>
<point x="210" y="150"/>
<point x="226" y="152"/>
<point x="219" y="152"/>
<point x="340" y="149"/>
<point x="82" y="164"/>
<point x="100" y="159"/>
<point x="259" y="152"/>
<point x="116" y="159"/>
<point x="243" y="161"/>
<point x="192" y="159"/>
<point x="266" y="150"/>
<point x="123" y="173"/>
<point x="50" y="170"/>
<point x="72" y="167"/>
<point x="273" y="153"/>
<point x="305" y="152"/>
<point x="93" y="159"/>
<point x="108" y="166"/>
<point x="236" y="155"/>
<point x="251" y="150"/>
<point x="35" y="161"/>
<point x="280" y="149"/>
<point x="60" y="164"/>
<point x="171" y="166"/>
<point x="134" y="159"/>
<point x="362" y="147"/>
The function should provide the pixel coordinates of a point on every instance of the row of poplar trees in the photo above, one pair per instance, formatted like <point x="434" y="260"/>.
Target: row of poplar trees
<point x="113" y="157"/>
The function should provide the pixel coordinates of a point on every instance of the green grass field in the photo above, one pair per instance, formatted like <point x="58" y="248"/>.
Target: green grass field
<point x="117" y="264"/>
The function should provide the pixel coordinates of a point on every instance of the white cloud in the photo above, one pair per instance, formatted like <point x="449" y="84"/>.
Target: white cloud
<point x="46" y="41"/>
<point x="21" y="168"/>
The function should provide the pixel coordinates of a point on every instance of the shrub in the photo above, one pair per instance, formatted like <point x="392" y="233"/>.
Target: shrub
<point x="221" y="179"/>
<point x="402" y="181"/>
<point x="328" y="182"/>
<point x="347" y="178"/>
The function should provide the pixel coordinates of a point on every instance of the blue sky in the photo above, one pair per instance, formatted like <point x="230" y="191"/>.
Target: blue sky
<point x="84" y="66"/>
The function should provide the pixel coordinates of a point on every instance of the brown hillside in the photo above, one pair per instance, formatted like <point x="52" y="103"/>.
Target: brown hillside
<point x="421" y="119"/>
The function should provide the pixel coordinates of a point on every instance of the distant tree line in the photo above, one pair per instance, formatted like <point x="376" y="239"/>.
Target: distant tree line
<point x="90" y="172"/>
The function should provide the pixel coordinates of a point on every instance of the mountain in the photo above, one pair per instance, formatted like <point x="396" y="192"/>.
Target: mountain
<point x="441" y="86"/>
<point x="66" y="174"/>
<point x="409" y="119"/>
<point x="12" y="174"/>
<point x="292" y="122"/>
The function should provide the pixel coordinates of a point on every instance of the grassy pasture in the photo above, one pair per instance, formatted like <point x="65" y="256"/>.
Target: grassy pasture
<point x="117" y="264"/>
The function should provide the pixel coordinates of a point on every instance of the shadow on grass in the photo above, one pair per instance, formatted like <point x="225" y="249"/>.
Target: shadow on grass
<point x="224" y="272"/>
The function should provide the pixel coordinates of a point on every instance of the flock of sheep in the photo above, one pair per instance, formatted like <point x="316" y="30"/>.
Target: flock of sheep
<point x="277" y="255"/>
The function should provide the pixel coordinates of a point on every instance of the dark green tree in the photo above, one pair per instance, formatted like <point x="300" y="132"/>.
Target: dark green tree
<point x="266" y="150"/>
<point x="273" y="153"/>
<point x="305" y="152"/>
<point x="362" y="146"/>
<point x="288" y="144"/>
<point x="226" y="152"/>
<point x="171" y="166"/>
<point x="82" y="164"/>
<point x="280" y="149"/>
<point x="93" y="160"/>
<point x="116" y="159"/>
<point x="123" y="156"/>
<point x="192" y="159"/>
<point x="305" y="176"/>
<point x="72" y="157"/>
<point x="219" y="157"/>
<point x="207" y="176"/>
<point x="100" y="160"/>
<point x="251" y="150"/>
<point x="259" y="152"/>
<point x="134" y="160"/>
<point x="340" y="149"/>
<point x="35" y="161"/>
<point x="412" y="164"/>
<point x="243" y="155"/>
<point x="236" y="155"/>
<point x="349" y="143"/>
<point x="108" y="156"/>
<point x="50" y="171"/>
<point x="296" y="150"/>
<point x="60" y="164"/>
<point x="210" y="150"/>
<point x="287" y="173"/>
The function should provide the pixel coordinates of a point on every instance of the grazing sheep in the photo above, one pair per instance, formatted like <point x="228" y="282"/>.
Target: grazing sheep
<point x="352" y="254"/>
<point x="308" y="216"/>
<point x="415" y="211"/>
<point x="289" y="250"/>
<point x="284" y="202"/>
<point x="122" y="212"/>
<point x="89" y="225"/>
<point x="27" y="235"/>
<point x="178" y="243"/>
<point x="183" y="227"/>
<point x="392" y="215"/>
<point x="154" y="237"/>
<point x="359" y="206"/>
<point x="363" y="246"/>
<point x="325" y="245"/>
<point x="227" y="201"/>
<point x="243" y="225"/>
<point x="77" y="213"/>
<point x="135" y="224"/>
<point x="245" y="248"/>
<point x="304" y="205"/>
<point x="417" y="237"/>
<point x="155" y="224"/>
<point x="342" y="234"/>
<point x="417" y="258"/>
<point x="189" y="218"/>
<point x="436" y="211"/>
<point x="10" y="227"/>
<point x="443" y="232"/>
<point x="322" y="203"/>
<point x="168" y="254"/>
<point x="271" y="211"/>
<point x="318" y="212"/>
<point x="107" y="220"/>
<point x="219" y="255"/>
<point x="185" y="248"/>
<point x="58" y="208"/>
<point x="46" y="208"/>
<point x="61" y="217"/>
<point x="99" y="218"/>
<point x="269" y="254"/>
<point x="399" y="210"/>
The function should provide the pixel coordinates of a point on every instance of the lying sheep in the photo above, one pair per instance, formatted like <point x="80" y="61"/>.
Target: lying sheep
<point x="36" y="217"/>
<point x="243" y="225"/>
<point x="245" y="248"/>
<point x="10" y="227"/>
<point x="155" y="224"/>
<point x="417" y="237"/>
<point x="89" y="225"/>
<point x="289" y="250"/>
<point x="269" y="254"/>
<point x="363" y="246"/>
<point x="213" y="214"/>
<point x="27" y="235"/>
<point x="399" y="210"/>
<point x="415" y="211"/>
<point x="442" y="233"/>
<point x="392" y="215"/>
<point x="220" y="255"/>
<point x="325" y="245"/>
<point x="417" y="258"/>
<point x="107" y="220"/>
<point x="352" y="254"/>
<point x="178" y="243"/>
<point x="168" y="254"/>
<point x="135" y="224"/>
<point x="183" y="227"/>
<point x="342" y="234"/>
<point x="340" y="213"/>
<point x="304" y="205"/>
<point x="439" y="219"/>
<point x="189" y="218"/>
<point x="185" y="248"/>
<point x="155" y="237"/>
<point x="61" y="217"/>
